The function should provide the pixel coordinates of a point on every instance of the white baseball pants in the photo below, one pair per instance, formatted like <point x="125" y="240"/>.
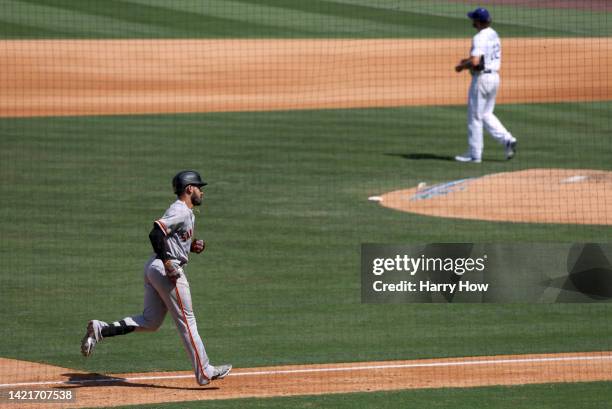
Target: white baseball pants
<point x="481" y="102"/>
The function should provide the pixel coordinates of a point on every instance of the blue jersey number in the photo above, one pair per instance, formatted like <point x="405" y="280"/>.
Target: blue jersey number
<point x="496" y="52"/>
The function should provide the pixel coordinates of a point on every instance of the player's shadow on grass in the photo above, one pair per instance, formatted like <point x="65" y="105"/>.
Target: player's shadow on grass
<point x="432" y="156"/>
<point x="422" y="156"/>
<point x="80" y="380"/>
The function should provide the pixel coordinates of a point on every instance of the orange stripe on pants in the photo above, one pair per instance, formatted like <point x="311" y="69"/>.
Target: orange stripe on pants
<point x="195" y="349"/>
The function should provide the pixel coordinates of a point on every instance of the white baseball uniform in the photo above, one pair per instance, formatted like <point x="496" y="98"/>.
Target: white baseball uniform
<point x="482" y="93"/>
<point x="162" y="295"/>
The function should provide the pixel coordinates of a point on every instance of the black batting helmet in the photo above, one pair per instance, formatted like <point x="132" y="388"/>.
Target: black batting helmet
<point x="186" y="178"/>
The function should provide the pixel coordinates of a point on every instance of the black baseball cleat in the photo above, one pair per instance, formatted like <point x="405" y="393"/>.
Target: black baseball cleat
<point x="510" y="149"/>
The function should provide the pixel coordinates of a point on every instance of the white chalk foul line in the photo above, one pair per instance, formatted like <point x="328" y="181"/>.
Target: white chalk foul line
<point x="315" y="370"/>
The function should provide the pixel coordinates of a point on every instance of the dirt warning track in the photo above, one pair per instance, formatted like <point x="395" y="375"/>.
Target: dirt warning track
<point x="104" y="77"/>
<point x="93" y="390"/>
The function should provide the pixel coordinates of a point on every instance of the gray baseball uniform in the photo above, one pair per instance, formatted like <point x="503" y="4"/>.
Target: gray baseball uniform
<point x="162" y="295"/>
<point x="165" y="282"/>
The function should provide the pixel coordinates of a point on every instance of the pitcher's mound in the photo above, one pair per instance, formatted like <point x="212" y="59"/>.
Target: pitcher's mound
<point x="574" y="196"/>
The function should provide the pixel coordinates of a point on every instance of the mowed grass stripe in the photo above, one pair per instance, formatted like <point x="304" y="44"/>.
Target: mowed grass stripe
<point x="280" y="19"/>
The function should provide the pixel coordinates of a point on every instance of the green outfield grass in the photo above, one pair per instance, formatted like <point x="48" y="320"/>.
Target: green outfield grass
<point x="285" y="214"/>
<point x="594" y="395"/>
<point x="281" y="19"/>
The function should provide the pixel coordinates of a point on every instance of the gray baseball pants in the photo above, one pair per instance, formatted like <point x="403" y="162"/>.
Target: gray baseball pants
<point x="162" y="295"/>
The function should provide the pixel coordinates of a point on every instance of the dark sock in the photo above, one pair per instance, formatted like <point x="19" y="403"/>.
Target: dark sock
<point x="114" y="329"/>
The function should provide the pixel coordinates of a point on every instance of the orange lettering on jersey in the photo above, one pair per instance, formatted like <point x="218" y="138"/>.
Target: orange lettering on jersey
<point x="186" y="235"/>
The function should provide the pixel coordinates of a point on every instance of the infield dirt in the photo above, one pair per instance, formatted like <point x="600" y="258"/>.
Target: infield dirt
<point x="104" y="77"/>
<point x="569" y="196"/>
<point x="95" y="390"/>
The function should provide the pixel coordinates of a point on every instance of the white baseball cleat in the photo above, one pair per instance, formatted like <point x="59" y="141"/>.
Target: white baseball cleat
<point x="467" y="157"/>
<point x="221" y="371"/>
<point x="91" y="338"/>
<point x="510" y="149"/>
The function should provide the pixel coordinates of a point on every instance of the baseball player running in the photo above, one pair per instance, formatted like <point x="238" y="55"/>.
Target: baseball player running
<point x="165" y="281"/>
<point x="484" y="63"/>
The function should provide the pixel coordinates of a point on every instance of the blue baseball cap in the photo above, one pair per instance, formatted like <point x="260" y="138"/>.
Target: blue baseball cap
<point x="480" y="14"/>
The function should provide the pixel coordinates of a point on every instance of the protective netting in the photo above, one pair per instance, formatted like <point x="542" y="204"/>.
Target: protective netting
<point x="319" y="126"/>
